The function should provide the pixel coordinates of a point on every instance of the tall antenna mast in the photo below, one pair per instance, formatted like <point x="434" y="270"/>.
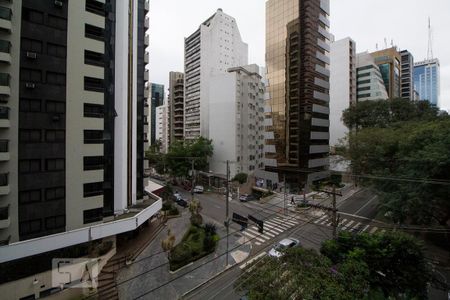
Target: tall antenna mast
<point x="430" y="40"/>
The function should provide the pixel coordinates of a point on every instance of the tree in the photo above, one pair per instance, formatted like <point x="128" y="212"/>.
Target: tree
<point x="395" y="260"/>
<point x="304" y="274"/>
<point x="195" y="208"/>
<point x="168" y="243"/>
<point x="241" y="178"/>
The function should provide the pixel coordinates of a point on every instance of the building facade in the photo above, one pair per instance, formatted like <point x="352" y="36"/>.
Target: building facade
<point x="369" y="82"/>
<point x="72" y="123"/>
<point x="297" y="59"/>
<point x="211" y="50"/>
<point x="162" y="126"/>
<point x="407" y="78"/>
<point x="427" y="80"/>
<point x="237" y="121"/>
<point x="343" y="86"/>
<point x="157" y="99"/>
<point x="389" y="63"/>
<point x="176" y="106"/>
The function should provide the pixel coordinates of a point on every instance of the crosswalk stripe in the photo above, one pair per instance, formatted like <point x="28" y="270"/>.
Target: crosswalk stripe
<point x="325" y="221"/>
<point x="329" y="224"/>
<point x="356" y="227"/>
<point x="365" y="228"/>
<point x="258" y="234"/>
<point x="293" y="223"/>
<point x="278" y="225"/>
<point x="270" y="231"/>
<point x="274" y="228"/>
<point x="342" y="222"/>
<point x="258" y="244"/>
<point x="320" y="219"/>
<point x="373" y="229"/>
<point x="348" y="224"/>
<point x="281" y="223"/>
<point x="253" y="236"/>
<point x="287" y="219"/>
<point x="265" y="231"/>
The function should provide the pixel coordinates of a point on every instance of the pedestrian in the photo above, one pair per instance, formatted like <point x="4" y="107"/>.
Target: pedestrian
<point x="292" y="200"/>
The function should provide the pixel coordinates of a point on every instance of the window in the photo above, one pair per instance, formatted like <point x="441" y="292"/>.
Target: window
<point x="93" y="111"/>
<point x="30" y="105"/>
<point x="93" y="163"/>
<point x="56" y="78"/>
<point x="94" y="58"/>
<point x="55" y="136"/>
<point x="93" y="189"/>
<point x="30" y="197"/>
<point x="95" y="7"/>
<point x="92" y="215"/>
<point x="94" y="84"/>
<point x="57" y="193"/>
<point x="94" y="32"/>
<point x="55" y="222"/>
<point x="363" y="75"/>
<point x="367" y="88"/>
<point x="30" y="227"/>
<point x="31" y="45"/>
<point x="30" y="136"/>
<point x="57" y="22"/>
<point x="29" y="166"/>
<point x="56" y="50"/>
<point x="93" y="136"/>
<point x="55" y="107"/>
<point x="30" y="75"/>
<point x="364" y="81"/>
<point x="32" y="15"/>
<point x="56" y="164"/>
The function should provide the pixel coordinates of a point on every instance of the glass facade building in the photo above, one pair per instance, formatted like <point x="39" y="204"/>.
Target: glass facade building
<point x="427" y="80"/>
<point x="157" y="92"/>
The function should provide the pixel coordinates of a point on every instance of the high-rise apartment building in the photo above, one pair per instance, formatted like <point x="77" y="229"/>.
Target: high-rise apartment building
<point x="157" y="99"/>
<point x="343" y="86"/>
<point x="176" y="106"/>
<point x="297" y="58"/>
<point x="427" y="80"/>
<point x="389" y="63"/>
<point x="162" y="126"/>
<point x="72" y="76"/>
<point x="211" y="50"/>
<point x="237" y="120"/>
<point x="370" y="84"/>
<point x="407" y="78"/>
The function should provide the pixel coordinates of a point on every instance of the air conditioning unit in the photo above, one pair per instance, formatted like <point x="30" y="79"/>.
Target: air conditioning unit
<point x="58" y="3"/>
<point x="30" y="85"/>
<point x="32" y="55"/>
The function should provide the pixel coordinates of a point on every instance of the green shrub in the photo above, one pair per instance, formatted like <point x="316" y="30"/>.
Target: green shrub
<point x="166" y="206"/>
<point x="241" y="178"/>
<point x="210" y="228"/>
<point x="174" y="211"/>
<point x="196" y="220"/>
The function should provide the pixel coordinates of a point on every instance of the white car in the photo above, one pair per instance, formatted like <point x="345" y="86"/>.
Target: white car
<point x="198" y="189"/>
<point x="277" y="250"/>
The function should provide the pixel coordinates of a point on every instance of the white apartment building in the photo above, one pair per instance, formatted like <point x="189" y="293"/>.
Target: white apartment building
<point x="210" y="51"/>
<point x="370" y="84"/>
<point x="237" y="120"/>
<point x="162" y="122"/>
<point x="342" y="85"/>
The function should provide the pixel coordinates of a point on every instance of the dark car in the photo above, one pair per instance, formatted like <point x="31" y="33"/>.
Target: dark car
<point x="246" y="198"/>
<point x="181" y="202"/>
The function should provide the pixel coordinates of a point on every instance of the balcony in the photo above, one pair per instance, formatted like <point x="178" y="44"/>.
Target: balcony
<point x="5" y="19"/>
<point x="146" y="6"/>
<point x="147" y="23"/>
<point x="4" y="184"/>
<point x="5" y="90"/>
<point x="146" y="75"/>
<point x="4" y="150"/>
<point x="146" y="57"/>
<point x="5" y="51"/>
<point x="4" y="117"/>
<point x="146" y="93"/>
<point x="4" y="217"/>
<point x="147" y="40"/>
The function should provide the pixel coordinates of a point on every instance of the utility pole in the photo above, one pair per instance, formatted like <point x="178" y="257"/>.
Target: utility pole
<point x="285" y="195"/>
<point x="227" y="217"/>
<point x="333" y="209"/>
<point x="192" y="181"/>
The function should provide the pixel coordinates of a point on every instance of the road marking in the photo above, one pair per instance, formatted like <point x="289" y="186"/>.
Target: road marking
<point x="267" y="230"/>
<point x="320" y="219"/>
<point x="279" y="224"/>
<point x="258" y="244"/>
<point x="342" y="222"/>
<point x="292" y="223"/>
<point x="373" y="229"/>
<point x="242" y="266"/>
<point x="259" y="234"/>
<point x="287" y="220"/>
<point x="356" y="227"/>
<point x="274" y="228"/>
<point x="329" y="224"/>
<point x="365" y="228"/>
<point x="253" y="236"/>
<point x="324" y="221"/>
<point x="348" y="225"/>
<point x="364" y="206"/>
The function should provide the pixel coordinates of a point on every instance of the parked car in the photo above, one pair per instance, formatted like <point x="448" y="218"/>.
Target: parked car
<point x="284" y="244"/>
<point x="246" y="198"/>
<point x="198" y="189"/>
<point x="181" y="202"/>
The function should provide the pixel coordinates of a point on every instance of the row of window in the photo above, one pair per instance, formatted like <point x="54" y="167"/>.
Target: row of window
<point x="32" y="75"/>
<point x="37" y="46"/>
<point x="35" y="105"/>
<point x="39" y="17"/>
<point x="34" y="196"/>
<point x="36" y="226"/>
<point x="35" y="165"/>
<point x="36" y="136"/>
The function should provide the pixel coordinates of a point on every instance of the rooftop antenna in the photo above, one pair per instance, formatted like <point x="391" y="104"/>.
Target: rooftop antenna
<point x="430" y="40"/>
<point x="385" y="43"/>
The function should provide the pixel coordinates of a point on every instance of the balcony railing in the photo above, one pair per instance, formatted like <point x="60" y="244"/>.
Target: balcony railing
<point x="5" y="13"/>
<point x="4" y="213"/>
<point x="4" y="79"/>
<point x="4" y="146"/>
<point x="5" y="46"/>
<point x="4" y="179"/>
<point x="4" y="113"/>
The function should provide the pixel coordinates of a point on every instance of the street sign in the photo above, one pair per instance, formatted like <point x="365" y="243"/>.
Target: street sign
<point x="258" y="223"/>
<point x="241" y="220"/>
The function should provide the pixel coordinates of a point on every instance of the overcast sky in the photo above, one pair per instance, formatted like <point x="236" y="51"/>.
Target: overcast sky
<point x="368" y="22"/>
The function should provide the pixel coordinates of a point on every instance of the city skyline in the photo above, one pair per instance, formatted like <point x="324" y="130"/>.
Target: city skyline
<point x="169" y="56"/>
